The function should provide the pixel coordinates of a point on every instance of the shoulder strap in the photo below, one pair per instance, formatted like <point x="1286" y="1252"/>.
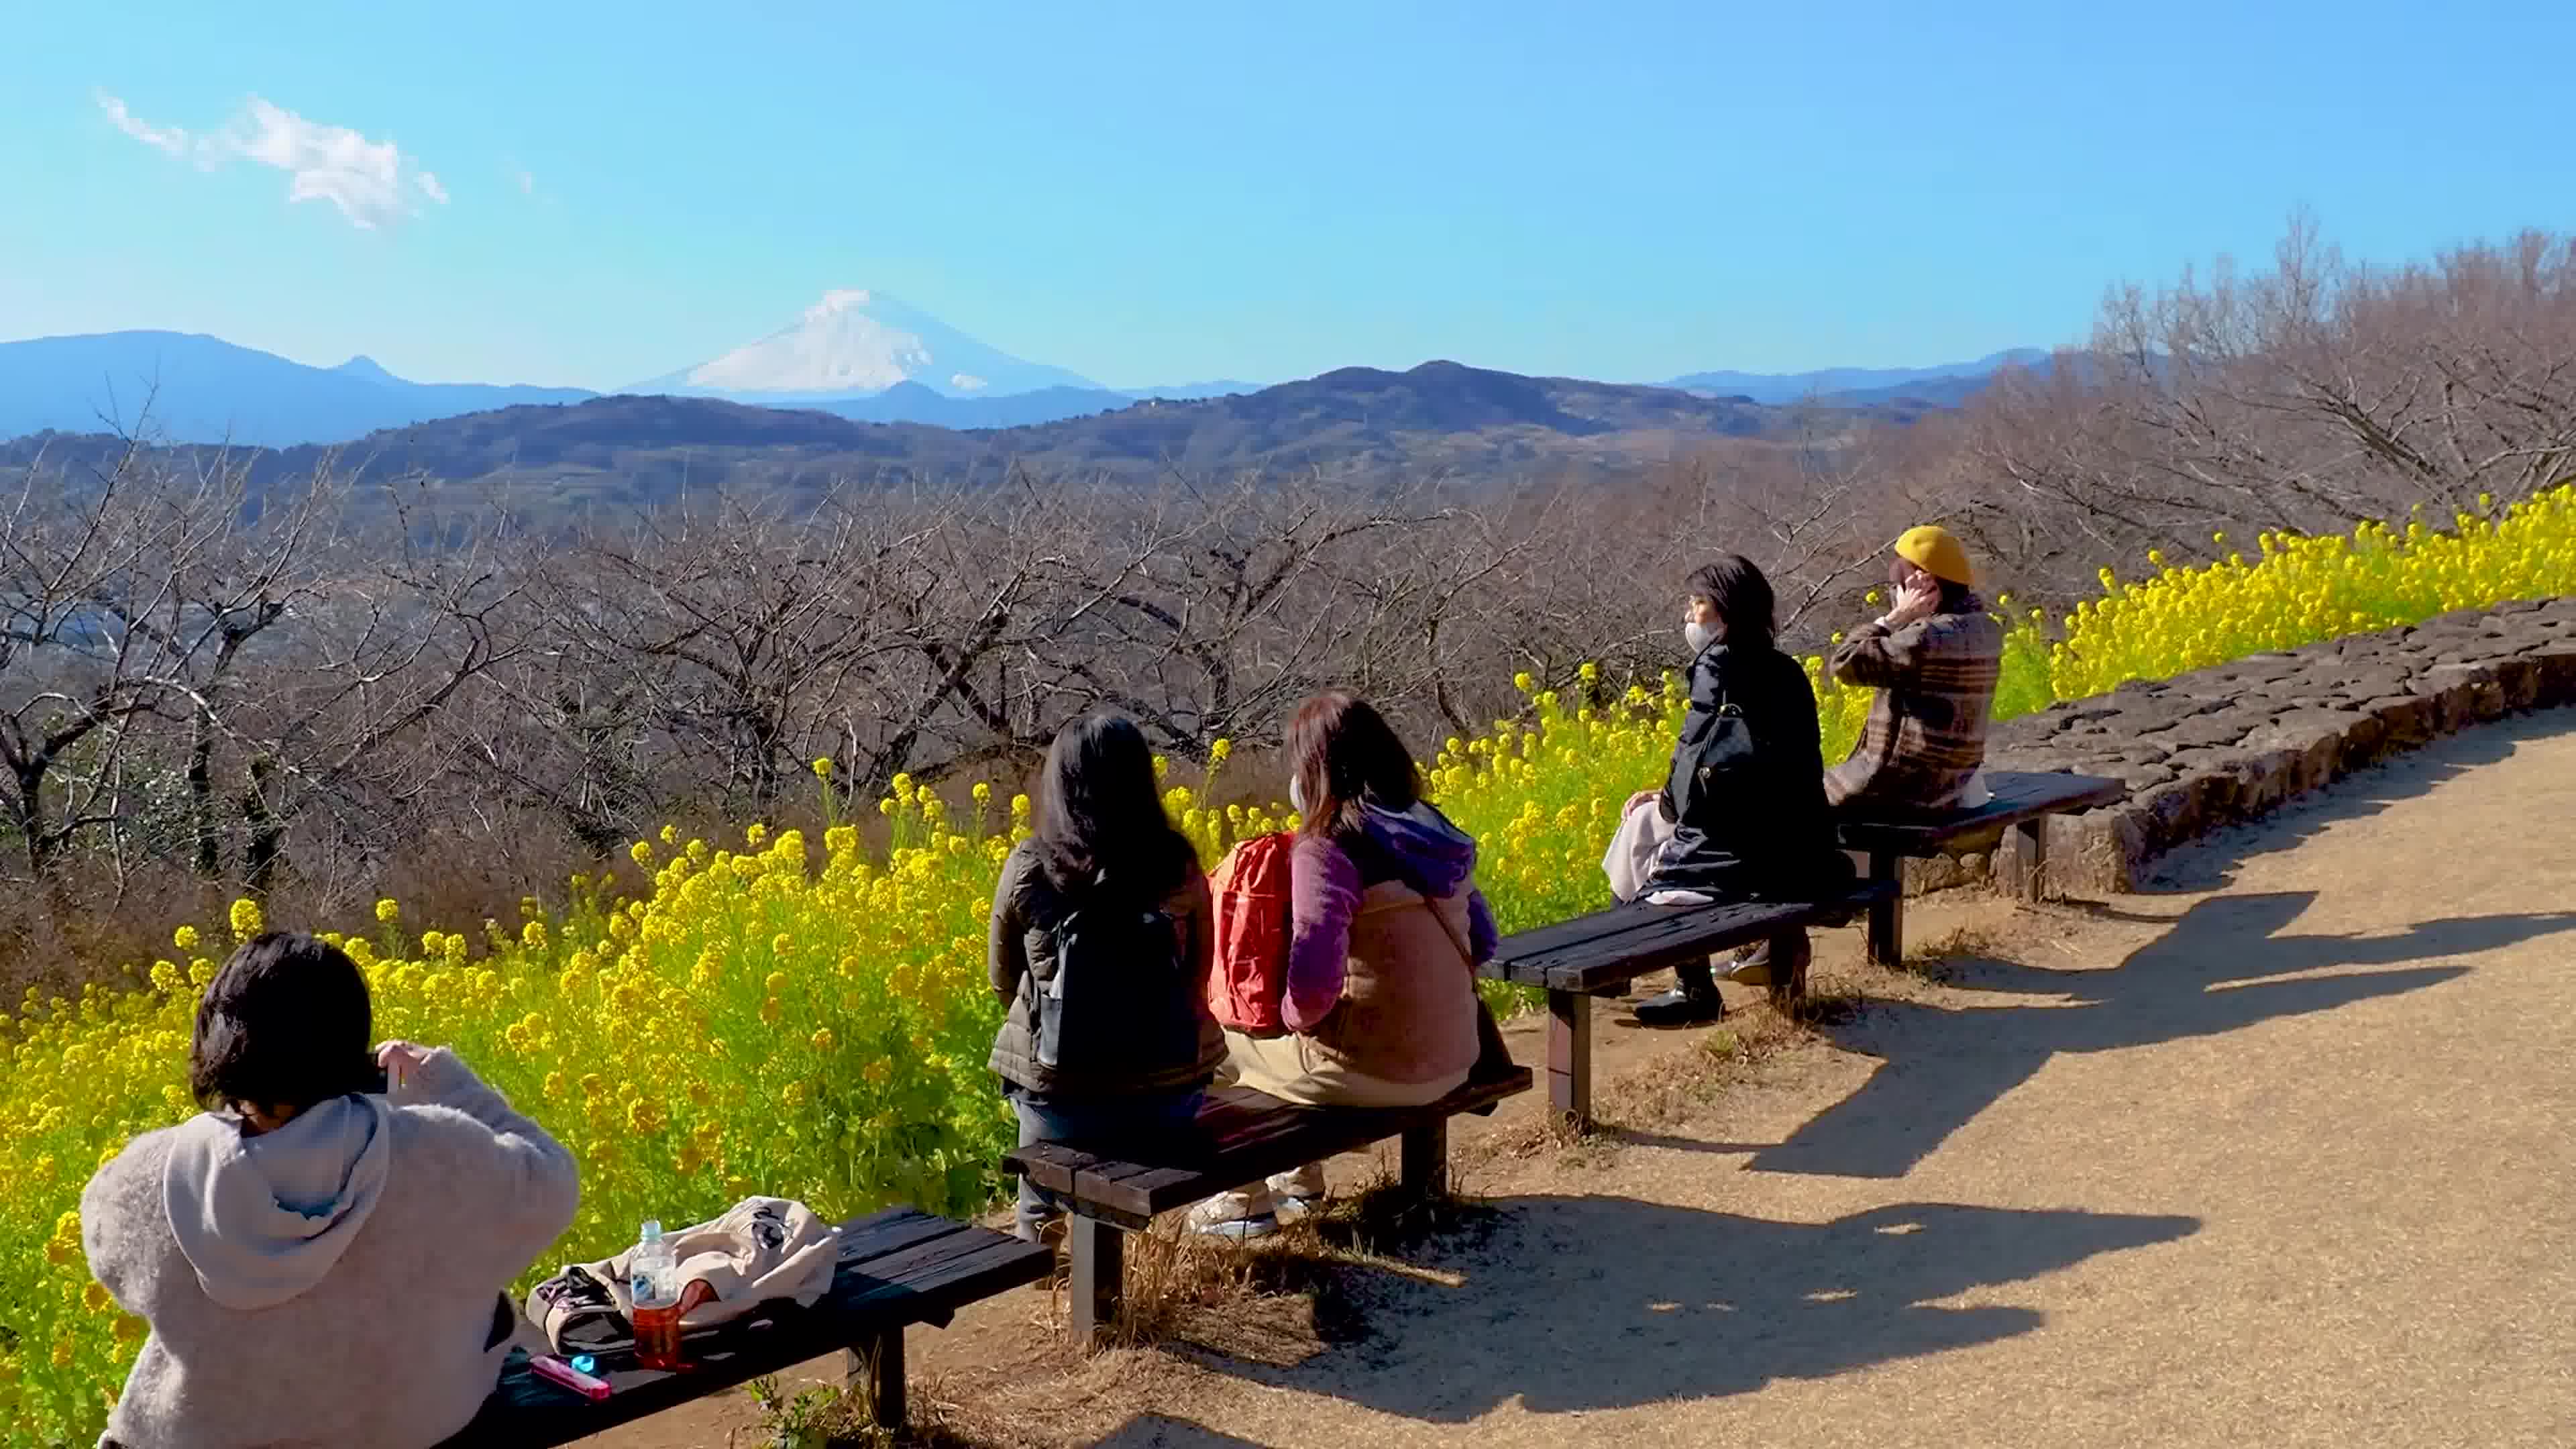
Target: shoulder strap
<point x="1449" y="928"/>
<point x="1725" y="705"/>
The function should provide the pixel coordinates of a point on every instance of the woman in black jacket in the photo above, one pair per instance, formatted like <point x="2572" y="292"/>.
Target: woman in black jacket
<point x="1126" y="1068"/>
<point x="1744" y="800"/>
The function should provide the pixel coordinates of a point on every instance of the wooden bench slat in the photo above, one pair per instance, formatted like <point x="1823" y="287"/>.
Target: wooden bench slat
<point x="1559" y="935"/>
<point x="1589" y="969"/>
<point x="923" y="1277"/>
<point x="2019" y="795"/>
<point x="1661" y="936"/>
<point x="1261" y="1142"/>
<point x="1051" y="1165"/>
<point x="897" y="1268"/>
<point x="889" y="1232"/>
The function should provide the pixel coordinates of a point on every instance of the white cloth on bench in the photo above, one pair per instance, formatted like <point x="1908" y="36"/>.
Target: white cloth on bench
<point x="1630" y="862"/>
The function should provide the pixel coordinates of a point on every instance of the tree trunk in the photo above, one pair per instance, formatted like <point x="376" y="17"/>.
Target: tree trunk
<point x="207" y="834"/>
<point x="266" y="851"/>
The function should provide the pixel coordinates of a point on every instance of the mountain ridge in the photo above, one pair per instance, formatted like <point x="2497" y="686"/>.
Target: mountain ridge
<point x="628" y="449"/>
<point x="1887" y="383"/>
<point x="204" y="389"/>
<point x="200" y="388"/>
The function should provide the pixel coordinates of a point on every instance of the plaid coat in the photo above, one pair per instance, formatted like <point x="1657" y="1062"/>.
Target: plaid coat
<point x="1927" y="729"/>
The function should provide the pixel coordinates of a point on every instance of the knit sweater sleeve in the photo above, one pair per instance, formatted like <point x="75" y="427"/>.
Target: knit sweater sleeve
<point x="1324" y="895"/>
<point x="528" y="1179"/>
<point x="1880" y="657"/>
<point x="120" y="1215"/>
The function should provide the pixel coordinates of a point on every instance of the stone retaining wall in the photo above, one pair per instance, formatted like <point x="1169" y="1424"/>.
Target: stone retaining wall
<point x="2229" y="743"/>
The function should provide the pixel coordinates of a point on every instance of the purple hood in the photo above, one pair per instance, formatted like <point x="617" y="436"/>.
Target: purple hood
<point x="1422" y="847"/>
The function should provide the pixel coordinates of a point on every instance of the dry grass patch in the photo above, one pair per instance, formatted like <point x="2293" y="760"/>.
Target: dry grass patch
<point x="1931" y="960"/>
<point x="1190" y="1301"/>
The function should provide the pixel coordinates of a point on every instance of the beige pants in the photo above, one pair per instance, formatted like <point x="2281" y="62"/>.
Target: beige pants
<point x="1293" y="1069"/>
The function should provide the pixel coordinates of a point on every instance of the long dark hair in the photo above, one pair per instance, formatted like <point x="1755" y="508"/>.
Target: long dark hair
<point x="1746" y="616"/>
<point x="1346" y="757"/>
<point x="1098" y="815"/>
<point x="286" y="1024"/>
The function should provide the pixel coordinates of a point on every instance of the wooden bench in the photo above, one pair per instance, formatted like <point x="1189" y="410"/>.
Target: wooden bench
<point x="1241" y="1137"/>
<point x="897" y="1268"/>
<point x="2022" y="800"/>
<point x="1599" y="954"/>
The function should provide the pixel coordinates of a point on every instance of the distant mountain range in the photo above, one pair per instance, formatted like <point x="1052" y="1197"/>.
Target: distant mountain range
<point x="860" y="355"/>
<point x="202" y="389"/>
<point x="1946" y="385"/>
<point x="640" y="450"/>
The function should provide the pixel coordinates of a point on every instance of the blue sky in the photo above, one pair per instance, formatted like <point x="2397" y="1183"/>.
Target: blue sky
<point x="1150" y="193"/>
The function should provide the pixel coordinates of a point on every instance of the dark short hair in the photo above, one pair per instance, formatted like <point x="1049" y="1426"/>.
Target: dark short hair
<point x="287" y="1023"/>
<point x="1347" y="757"/>
<point x="1742" y="597"/>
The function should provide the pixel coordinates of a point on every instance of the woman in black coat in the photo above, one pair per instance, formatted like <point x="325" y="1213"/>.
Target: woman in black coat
<point x="1744" y="800"/>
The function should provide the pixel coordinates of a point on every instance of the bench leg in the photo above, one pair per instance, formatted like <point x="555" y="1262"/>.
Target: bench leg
<point x="1426" y="1160"/>
<point x="2034" y="858"/>
<point x="1569" y="1056"/>
<point x="1887" y="917"/>
<point x="1790" y="989"/>
<point x="1099" y="1276"/>
<point x="878" y="1368"/>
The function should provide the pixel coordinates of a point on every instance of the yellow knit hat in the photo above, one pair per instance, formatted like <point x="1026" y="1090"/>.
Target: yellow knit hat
<point x="1932" y="549"/>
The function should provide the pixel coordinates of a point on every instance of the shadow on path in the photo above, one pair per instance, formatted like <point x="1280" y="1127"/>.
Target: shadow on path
<point x="1580" y="1303"/>
<point x="2223" y="966"/>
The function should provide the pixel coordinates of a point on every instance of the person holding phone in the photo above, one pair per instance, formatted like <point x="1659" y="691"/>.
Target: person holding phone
<point x="1934" y="657"/>
<point x="322" y="1253"/>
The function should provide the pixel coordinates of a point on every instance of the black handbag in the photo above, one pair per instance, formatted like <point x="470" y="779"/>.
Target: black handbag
<point x="1716" y="751"/>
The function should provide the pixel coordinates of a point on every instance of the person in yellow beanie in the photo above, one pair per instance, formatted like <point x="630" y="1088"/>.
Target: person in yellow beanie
<point x="1934" y="657"/>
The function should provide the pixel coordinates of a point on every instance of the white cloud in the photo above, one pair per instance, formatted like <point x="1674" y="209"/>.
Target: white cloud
<point x="170" y="139"/>
<point x="527" y="182"/>
<point x="369" y="181"/>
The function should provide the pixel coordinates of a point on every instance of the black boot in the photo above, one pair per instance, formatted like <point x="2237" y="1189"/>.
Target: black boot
<point x="1693" y="1001"/>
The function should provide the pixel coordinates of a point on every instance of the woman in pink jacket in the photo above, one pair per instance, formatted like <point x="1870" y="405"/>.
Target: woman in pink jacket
<point x="1386" y="930"/>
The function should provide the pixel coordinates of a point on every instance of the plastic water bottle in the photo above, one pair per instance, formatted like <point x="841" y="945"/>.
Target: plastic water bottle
<point x="653" y="1281"/>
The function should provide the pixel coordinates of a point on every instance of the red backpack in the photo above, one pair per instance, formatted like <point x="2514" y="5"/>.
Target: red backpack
<point x="1250" y="887"/>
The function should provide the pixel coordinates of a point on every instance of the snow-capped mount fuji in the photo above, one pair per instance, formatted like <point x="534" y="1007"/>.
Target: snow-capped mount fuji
<point x="857" y="343"/>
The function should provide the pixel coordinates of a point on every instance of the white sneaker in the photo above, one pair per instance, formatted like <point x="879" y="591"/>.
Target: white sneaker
<point x="1260" y="1225"/>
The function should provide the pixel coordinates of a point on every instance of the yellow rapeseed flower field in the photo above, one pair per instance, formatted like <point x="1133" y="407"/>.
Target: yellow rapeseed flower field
<point x="779" y="1018"/>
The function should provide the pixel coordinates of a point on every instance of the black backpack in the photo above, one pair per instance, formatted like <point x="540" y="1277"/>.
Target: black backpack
<point x="1121" y="1001"/>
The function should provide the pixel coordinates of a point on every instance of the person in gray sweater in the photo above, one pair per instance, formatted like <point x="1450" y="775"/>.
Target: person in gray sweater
<point x="322" y="1253"/>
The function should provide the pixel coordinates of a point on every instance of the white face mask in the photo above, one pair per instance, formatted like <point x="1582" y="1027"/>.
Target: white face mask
<point x="1297" y="794"/>
<point x="1698" y="634"/>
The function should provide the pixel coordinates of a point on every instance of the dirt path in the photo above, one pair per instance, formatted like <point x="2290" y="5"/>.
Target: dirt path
<point x="2282" y="1155"/>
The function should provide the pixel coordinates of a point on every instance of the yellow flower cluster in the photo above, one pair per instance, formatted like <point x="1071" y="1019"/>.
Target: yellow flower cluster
<point x="767" y="1018"/>
<point x="759" y="1020"/>
<point x="2298" y="590"/>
